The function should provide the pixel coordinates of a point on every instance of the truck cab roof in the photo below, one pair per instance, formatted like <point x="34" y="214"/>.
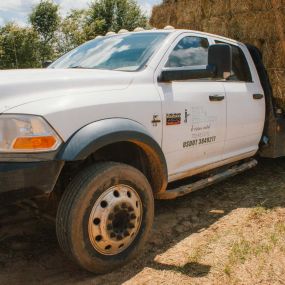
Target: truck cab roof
<point x="177" y="32"/>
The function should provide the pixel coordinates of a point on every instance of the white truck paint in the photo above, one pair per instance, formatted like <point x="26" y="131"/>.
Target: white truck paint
<point x="110" y="124"/>
<point x="70" y="99"/>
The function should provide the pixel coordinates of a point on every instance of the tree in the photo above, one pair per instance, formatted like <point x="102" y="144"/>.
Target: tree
<point x="113" y="15"/>
<point x="45" y="20"/>
<point x="19" y="47"/>
<point x="72" y="32"/>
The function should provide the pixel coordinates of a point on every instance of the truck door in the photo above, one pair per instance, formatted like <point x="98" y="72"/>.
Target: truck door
<point x="194" y="111"/>
<point x="245" y="107"/>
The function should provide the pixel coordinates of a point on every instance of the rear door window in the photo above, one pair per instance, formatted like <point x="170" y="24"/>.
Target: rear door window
<point x="240" y="69"/>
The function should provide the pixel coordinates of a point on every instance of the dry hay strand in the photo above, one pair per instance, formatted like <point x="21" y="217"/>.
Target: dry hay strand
<point x="277" y="79"/>
<point x="216" y="25"/>
<point x="273" y="54"/>
<point x="280" y="24"/>
<point x="249" y="6"/>
<point x="260" y="25"/>
<point x="190" y="25"/>
<point x="162" y="15"/>
<point x="213" y="8"/>
<point x="189" y="14"/>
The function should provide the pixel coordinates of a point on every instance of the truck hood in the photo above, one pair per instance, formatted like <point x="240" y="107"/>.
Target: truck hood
<point x="18" y="87"/>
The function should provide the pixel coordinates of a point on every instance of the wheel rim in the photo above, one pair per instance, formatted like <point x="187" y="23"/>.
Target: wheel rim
<point x="115" y="220"/>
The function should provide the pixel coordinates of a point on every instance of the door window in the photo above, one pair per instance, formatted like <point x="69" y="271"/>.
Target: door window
<point x="240" y="68"/>
<point x="190" y="51"/>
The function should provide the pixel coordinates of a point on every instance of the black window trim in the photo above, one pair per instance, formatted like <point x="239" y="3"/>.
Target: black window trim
<point x="174" y="44"/>
<point x="217" y="41"/>
<point x="211" y="39"/>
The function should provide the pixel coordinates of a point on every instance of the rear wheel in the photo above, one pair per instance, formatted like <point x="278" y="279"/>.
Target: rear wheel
<point x="105" y="216"/>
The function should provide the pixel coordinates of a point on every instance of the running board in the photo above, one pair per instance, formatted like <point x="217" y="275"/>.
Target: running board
<point x="186" y="189"/>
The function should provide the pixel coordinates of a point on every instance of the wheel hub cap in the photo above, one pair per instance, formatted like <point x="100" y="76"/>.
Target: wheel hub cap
<point x="115" y="220"/>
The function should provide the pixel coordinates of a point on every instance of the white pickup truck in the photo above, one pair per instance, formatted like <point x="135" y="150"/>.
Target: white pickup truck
<point x="110" y="124"/>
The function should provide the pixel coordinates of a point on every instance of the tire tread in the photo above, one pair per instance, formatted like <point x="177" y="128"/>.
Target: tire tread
<point x="70" y="198"/>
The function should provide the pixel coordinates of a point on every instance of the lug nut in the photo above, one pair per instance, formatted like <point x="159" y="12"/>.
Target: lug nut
<point x="98" y="238"/>
<point x="131" y="226"/>
<point x="126" y="234"/>
<point x="133" y="216"/>
<point x="96" y="221"/>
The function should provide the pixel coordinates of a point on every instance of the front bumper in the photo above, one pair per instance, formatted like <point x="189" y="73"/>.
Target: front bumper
<point x="38" y="177"/>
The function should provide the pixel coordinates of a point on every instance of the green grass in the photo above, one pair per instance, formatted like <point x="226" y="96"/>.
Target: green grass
<point x="258" y="211"/>
<point x="244" y="249"/>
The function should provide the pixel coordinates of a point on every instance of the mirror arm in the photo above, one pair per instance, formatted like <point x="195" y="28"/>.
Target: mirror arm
<point x="212" y="69"/>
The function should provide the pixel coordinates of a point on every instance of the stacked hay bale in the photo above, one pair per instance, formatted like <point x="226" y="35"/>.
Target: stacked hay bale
<point x="259" y="22"/>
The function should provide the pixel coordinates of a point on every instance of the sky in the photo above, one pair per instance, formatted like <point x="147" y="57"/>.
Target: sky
<point x="18" y="10"/>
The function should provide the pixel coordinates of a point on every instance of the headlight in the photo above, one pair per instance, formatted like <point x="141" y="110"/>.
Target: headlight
<point x="26" y="133"/>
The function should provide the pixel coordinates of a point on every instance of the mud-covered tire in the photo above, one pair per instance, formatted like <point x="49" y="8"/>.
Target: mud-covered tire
<point x="78" y="204"/>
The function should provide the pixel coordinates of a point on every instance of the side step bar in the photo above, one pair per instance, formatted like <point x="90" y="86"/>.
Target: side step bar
<point x="186" y="189"/>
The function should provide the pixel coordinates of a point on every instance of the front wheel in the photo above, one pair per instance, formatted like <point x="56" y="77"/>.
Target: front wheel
<point x="105" y="216"/>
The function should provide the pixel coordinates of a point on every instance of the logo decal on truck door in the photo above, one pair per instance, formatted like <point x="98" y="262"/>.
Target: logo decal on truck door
<point x="173" y="119"/>
<point x="186" y="116"/>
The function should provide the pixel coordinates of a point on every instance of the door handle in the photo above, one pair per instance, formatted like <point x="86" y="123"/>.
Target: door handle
<point x="257" y="96"/>
<point x="216" y="98"/>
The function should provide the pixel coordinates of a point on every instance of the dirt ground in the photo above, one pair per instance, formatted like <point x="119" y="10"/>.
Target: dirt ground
<point x="231" y="233"/>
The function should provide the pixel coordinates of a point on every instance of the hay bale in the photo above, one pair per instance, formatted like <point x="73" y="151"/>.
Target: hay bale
<point x="216" y="25"/>
<point x="189" y="14"/>
<point x="214" y="8"/>
<point x="277" y="79"/>
<point x="163" y="15"/>
<point x="249" y="6"/>
<point x="273" y="57"/>
<point x="260" y="25"/>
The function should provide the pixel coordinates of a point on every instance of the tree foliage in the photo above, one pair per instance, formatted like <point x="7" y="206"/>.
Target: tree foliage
<point x="45" y="20"/>
<point x="113" y="15"/>
<point x="49" y="36"/>
<point x="72" y="31"/>
<point x="19" y="47"/>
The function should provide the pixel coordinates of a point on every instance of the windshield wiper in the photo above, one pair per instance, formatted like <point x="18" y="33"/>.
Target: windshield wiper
<point x="79" y="67"/>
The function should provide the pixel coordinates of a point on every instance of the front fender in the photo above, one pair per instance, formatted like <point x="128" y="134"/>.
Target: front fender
<point x="99" y="134"/>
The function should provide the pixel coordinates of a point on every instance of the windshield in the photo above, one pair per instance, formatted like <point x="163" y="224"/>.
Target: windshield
<point x="127" y="52"/>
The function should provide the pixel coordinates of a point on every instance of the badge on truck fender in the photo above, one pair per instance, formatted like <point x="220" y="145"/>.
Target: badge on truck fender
<point x="173" y="119"/>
